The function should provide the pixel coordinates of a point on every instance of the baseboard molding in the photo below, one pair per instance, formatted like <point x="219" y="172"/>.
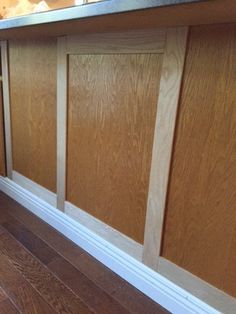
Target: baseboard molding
<point x="154" y="285"/>
<point x="101" y="229"/>
<point x="106" y="232"/>
<point x="200" y="288"/>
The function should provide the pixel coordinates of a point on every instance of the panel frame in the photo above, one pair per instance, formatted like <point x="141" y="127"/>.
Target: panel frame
<point x="62" y="63"/>
<point x="135" y="41"/>
<point x="141" y="41"/>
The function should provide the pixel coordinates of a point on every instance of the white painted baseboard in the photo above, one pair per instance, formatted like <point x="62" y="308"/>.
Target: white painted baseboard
<point x="200" y="288"/>
<point x="154" y="285"/>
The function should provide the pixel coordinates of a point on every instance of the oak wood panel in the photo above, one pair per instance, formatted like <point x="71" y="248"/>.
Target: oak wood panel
<point x="111" y="118"/>
<point x="33" y="110"/>
<point x="2" y="141"/>
<point x="229" y="279"/>
<point x="201" y="211"/>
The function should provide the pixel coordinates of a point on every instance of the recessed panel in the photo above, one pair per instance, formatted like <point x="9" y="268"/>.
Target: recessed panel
<point x="33" y="110"/>
<point x="111" y="119"/>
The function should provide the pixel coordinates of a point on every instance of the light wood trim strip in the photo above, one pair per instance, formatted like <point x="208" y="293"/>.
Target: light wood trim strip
<point x="170" y="84"/>
<point x="6" y="106"/>
<point x="198" y="287"/>
<point x="141" y="41"/>
<point x="61" y="121"/>
<point x="105" y="231"/>
<point x="35" y="188"/>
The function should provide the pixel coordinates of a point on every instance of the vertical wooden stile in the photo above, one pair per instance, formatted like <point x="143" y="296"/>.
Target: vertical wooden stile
<point x="173" y="64"/>
<point x="61" y="121"/>
<point x="6" y="106"/>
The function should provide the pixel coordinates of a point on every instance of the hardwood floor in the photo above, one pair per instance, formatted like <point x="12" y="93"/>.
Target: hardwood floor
<point x="43" y="272"/>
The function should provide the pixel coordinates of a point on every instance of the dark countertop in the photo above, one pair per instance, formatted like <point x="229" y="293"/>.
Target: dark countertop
<point x="118" y="16"/>
<point x="88" y="10"/>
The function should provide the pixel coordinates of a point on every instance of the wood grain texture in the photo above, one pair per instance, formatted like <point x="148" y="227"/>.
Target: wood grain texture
<point x="137" y="41"/>
<point x="30" y="241"/>
<point x="111" y="117"/>
<point x="6" y="106"/>
<point x="86" y="289"/>
<point x="20" y="291"/>
<point x="33" y="110"/>
<point x="108" y="233"/>
<point x="62" y="90"/>
<point x="6" y="307"/>
<point x="49" y="246"/>
<point x="92" y="295"/>
<point x="2" y="140"/>
<point x="171" y="76"/>
<point x="201" y="210"/>
<point x="58" y="296"/>
<point x="2" y="295"/>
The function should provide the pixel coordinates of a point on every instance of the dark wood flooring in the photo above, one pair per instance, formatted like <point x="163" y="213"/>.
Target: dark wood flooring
<point x="43" y="272"/>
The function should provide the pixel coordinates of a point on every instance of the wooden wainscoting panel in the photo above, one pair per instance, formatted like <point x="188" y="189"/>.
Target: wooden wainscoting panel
<point x="201" y="211"/>
<point x="33" y="109"/>
<point x="2" y="141"/>
<point x="111" y="119"/>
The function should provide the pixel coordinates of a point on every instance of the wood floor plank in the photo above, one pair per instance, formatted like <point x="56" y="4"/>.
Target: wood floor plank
<point x="62" y="299"/>
<point x="124" y="293"/>
<point x="2" y="295"/>
<point x="88" y="291"/>
<point x="29" y="240"/>
<point x="6" y="307"/>
<point x="79" y="283"/>
<point x="55" y="239"/>
<point x="131" y="298"/>
<point x="22" y="294"/>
